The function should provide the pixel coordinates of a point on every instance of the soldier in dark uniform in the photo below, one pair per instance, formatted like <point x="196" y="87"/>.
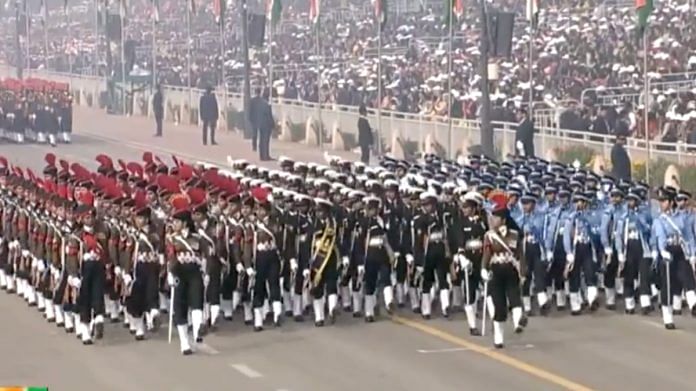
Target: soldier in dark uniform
<point x="209" y="115"/>
<point x="470" y="232"/>
<point x="300" y="255"/>
<point x="231" y="218"/>
<point x="377" y="258"/>
<point x="126" y="249"/>
<point x="266" y="260"/>
<point x="324" y="262"/>
<point x="393" y="217"/>
<point x="185" y="263"/>
<point x="65" y="117"/>
<point x="503" y="265"/>
<point x="430" y="252"/>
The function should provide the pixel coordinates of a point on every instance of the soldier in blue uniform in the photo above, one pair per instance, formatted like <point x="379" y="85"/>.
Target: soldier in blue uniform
<point x="580" y="254"/>
<point x="631" y="237"/>
<point x="674" y="244"/>
<point x="610" y="219"/>
<point x="554" y="227"/>
<point x="531" y="224"/>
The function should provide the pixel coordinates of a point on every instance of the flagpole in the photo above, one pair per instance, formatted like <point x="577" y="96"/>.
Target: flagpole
<point x="188" y="52"/>
<point x="155" y="11"/>
<point x="69" y="28"/>
<point x="379" y="80"/>
<point x="28" y="40"/>
<point x="320" y="128"/>
<point x="531" y="68"/>
<point x="45" y="34"/>
<point x="270" y="55"/>
<point x="646" y="91"/>
<point x="123" y="56"/>
<point x="449" y="80"/>
<point x="97" y="38"/>
<point x="222" y="62"/>
<point x="20" y="60"/>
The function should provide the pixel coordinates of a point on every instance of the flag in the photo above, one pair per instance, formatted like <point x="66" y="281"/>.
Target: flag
<point x="192" y="7"/>
<point x="155" y="11"/>
<point x="533" y="12"/>
<point x="275" y="9"/>
<point x="219" y="11"/>
<point x="380" y="11"/>
<point x="644" y="9"/>
<point x="457" y="7"/>
<point x="314" y="11"/>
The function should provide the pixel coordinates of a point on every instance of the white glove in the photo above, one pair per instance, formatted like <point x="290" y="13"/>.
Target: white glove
<point x="40" y="266"/>
<point x="549" y="255"/>
<point x="397" y="254"/>
<point x="55" y="272"/>
<point x="607" y="251"/>
<point x="361" y="269"/>
<point x="666" y="255"/>
<point x="118" y="271"/>
<point x="127" y="279"/>
<point x="25" y="253"/>
<point x="464" y="262"/>
<point x="419" y="269"/>
<point x="409" y="259"/>
<point x="293" y="264"/>
<point x="305" y="273"/>
<point x="240" y="268"/>
<point x="170" y="279"/>
<point x="206" y="280"/>
<point x="250" y="271"/>
<point x="345" y="261"/>
<point x="570" y="258"/>
<point x="485" y="276"/>
<point x="161" y="259"/>
<point x="76" y="282"/>
<point x="692" y="260"/>
<point x="33" y="262"/>
<point x="653" y="255"/>
<point x="622" y="258"/>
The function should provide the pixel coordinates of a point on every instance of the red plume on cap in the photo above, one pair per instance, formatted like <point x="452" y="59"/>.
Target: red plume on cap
<point x="19" y="172"/>
<point x="80" y="172"/>
<point x="112" y="191"/>
<point x="176" y="161"/>
<point x="197" y="195"/>
<point x="165" y="182"/>
<point x="62" y="191"/>
<point x="260" y="194"/>
<point x="105" y="161"/>
<point x="179" y="202"/>
<point x="31" y="175"/>
<point x="499" y="201"/>
<point x="3" y="161"/>
<point x="64" y="165"/>
<point x="212" y="177"/>
<point x="50" y="159"/>
<point x="231" y="186"/>
<point x="147" y="157"/>
<point x="49" y="186"/>
<point x="135" y="169"/>
<point x="185" y="172"/>
<point x="122" y="164"/>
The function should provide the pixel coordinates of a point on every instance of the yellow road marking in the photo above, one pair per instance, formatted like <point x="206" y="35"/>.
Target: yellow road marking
<point x="493" y="354"/>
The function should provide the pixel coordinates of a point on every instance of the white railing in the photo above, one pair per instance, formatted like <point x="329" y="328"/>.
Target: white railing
<point x="181" y="106"/>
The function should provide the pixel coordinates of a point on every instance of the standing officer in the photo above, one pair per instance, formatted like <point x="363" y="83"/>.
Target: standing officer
<point x="209" y="113"/>
<point x="158" y="109"/>
<point x="266" y="123"/>
<point x="365" y="138"/>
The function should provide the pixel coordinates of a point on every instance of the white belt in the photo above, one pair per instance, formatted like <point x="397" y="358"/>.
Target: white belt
<point x="530" y="239"/>
<point x="376" y="242"/>
<point x="561" y="229"/>
<point x="435" y="237"/>
<point x="89" y="257"/>
<point x="502" y="258"/>
<point x="148" y="257"/>
<point x="268" y="246"/>
<point x="474" y="244"/>
<point x="673" y="241"/>
<point x="187" y="258"/>
<point x="582" y="239"/>
<point x="633" y="235"/>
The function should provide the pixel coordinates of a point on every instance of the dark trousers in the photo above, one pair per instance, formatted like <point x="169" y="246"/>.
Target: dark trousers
<point x="536" y="269"/>
<point x="267" y="272"/>
<point x="110" y="285"/>
<point x="584" y="264"/>
<point x="611" y="271"/>
<point x="681" y="275"/>
<point x="90" y="300"/>
<point x="158" y="122"/>
<point x="401" y="269"/>
<point x="435" y="264"/>
<point x="555" y="274"/>
<point x="212" y="291"/>
<point x="474" y="276"/>
<point x="254" y="137"/>
<point x="144" y="295"/>
<point x="328" y="279"/>
<point x="505" y="289"/>
<point x="264" y="144"/>
<point x="229" y="284"/>
<point x="209" y="126"/>
<point x="365" y="154"/>
<point x="188" y="294"/>
<point x="377" y="270"/>
<point x="634" y="257"/>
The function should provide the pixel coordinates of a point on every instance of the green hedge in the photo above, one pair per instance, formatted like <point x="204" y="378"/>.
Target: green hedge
<point x="568" y="155"/>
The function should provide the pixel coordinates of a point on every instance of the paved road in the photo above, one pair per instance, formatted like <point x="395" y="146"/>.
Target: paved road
<point x="606" y="351"/>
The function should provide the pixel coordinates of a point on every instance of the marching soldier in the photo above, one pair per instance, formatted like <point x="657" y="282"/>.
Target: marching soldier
<point x="610" y="221"/>
<point x="554" y="227"/>
<point x="504" y="266"/>
<point x="531" y="225"/>
<point x="324" y="262"/>
<point x="185" y="264"/>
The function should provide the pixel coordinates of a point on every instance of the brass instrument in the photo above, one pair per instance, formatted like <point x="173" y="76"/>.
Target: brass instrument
<point x="322" y="251"/>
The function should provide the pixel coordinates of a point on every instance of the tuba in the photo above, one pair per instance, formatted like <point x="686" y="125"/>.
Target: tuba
<point x="323" y="246"/>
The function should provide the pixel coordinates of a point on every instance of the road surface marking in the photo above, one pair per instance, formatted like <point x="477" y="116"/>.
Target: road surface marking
<point x="496" y="355"/>
<point x="246" y="371"/>
<point x="207" y="349"/>
<point x="451" y="350"/>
